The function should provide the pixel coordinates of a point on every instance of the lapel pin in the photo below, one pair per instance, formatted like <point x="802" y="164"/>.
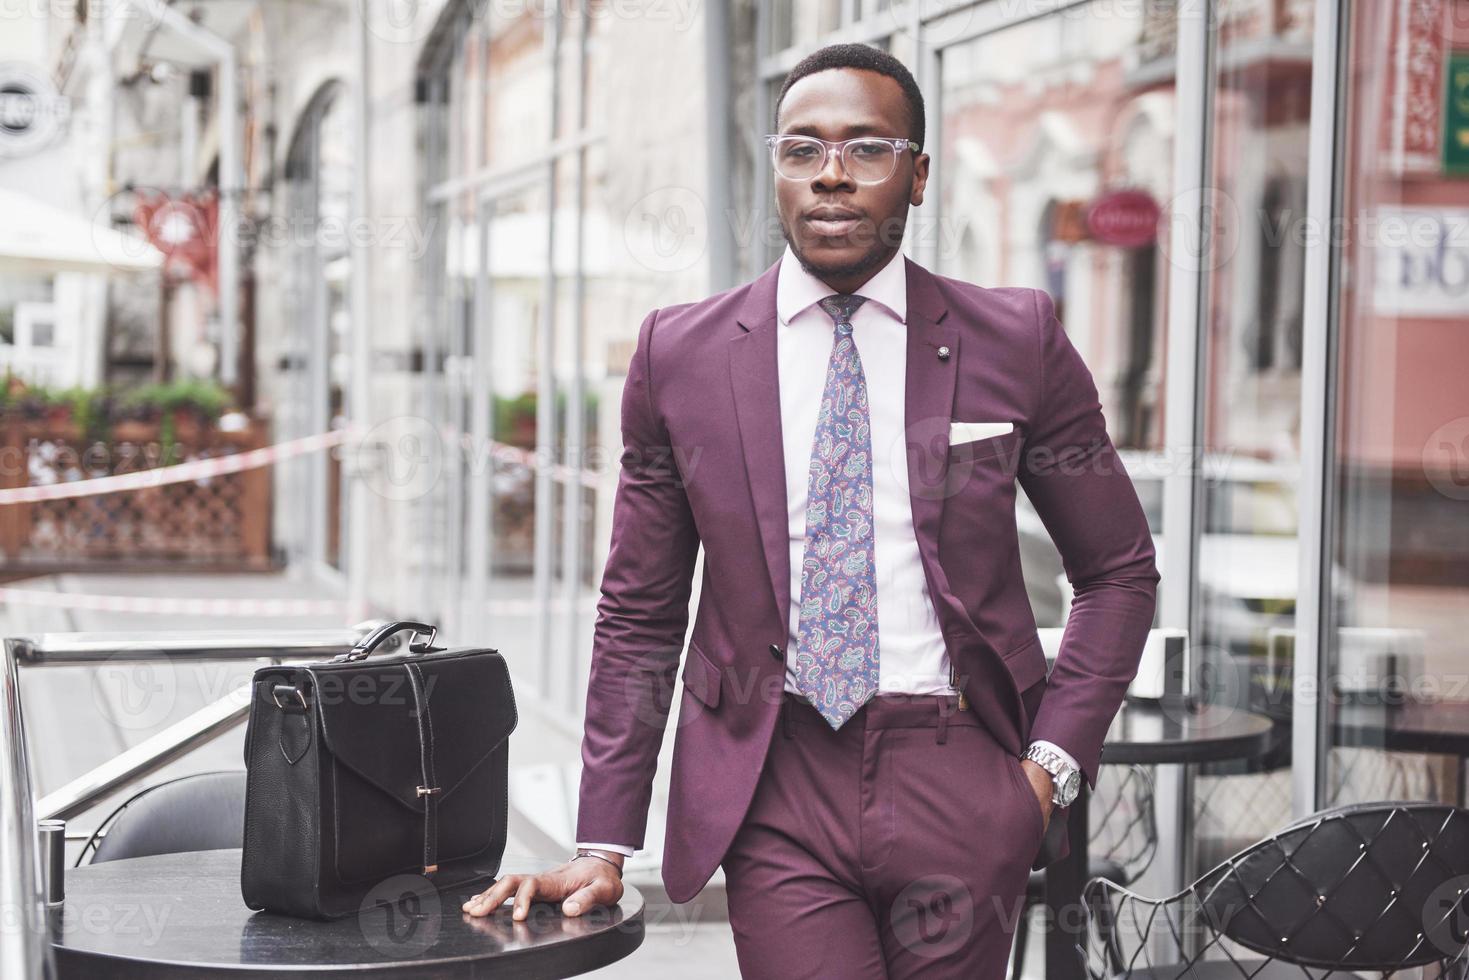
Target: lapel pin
<point x="943" y="353"/>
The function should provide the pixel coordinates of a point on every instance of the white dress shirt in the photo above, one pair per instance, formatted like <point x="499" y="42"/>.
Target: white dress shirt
<point x="912" y="656"/>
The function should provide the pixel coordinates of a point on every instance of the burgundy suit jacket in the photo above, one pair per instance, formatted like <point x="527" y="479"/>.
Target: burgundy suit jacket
<point x="703" y="462"/>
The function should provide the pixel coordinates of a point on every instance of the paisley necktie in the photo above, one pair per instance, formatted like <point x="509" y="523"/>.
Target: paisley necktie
<point x="836" y="651"/>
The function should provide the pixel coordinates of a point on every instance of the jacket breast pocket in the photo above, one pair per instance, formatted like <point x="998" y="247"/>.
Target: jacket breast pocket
<point x="701" y="676"/>
<point x="975" y="450"/>
<point x="981" y="465"/>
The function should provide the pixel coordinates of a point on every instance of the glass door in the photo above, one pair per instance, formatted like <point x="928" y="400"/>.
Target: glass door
<point x="1397" y="545"/>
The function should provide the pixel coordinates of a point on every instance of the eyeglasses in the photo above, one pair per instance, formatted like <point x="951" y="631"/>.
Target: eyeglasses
<point x="866" y="159"/>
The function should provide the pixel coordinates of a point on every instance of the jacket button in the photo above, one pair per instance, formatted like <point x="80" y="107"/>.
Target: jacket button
<point x="775" y="652"/>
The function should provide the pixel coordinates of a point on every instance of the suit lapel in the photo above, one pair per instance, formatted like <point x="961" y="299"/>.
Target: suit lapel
<point x="929" y="407"/>
<point x="928" y="404"/>
<point x="755" y="379"/>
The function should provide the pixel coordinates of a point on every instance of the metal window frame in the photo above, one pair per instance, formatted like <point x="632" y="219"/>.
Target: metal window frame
<point x="305" y="480"/>
<point x="1185" y="385"/>
<point x="1320" y="329"/>
<point x="466" y="597"/>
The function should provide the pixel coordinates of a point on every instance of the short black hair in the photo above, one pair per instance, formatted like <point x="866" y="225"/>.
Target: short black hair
<point x="868" y="58"/>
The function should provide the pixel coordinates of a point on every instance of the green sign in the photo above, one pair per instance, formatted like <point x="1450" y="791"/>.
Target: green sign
<point x="1456" y="115"/>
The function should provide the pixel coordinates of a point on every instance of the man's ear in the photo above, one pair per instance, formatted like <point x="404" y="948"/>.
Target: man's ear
<point x="920" y="179"/>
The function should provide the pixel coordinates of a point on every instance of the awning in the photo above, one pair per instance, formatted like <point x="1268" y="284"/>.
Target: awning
<point x="136" y="38"/>
<point x="38" y="238"/>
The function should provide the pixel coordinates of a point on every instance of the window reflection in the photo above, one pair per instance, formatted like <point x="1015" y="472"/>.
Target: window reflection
<point x="1399" y="704"/>
<point x="1056" y="165"/>
<point x="1249" y="528"/>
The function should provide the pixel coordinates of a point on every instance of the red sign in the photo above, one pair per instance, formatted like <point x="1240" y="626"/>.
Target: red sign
<point x="1127" y="217"/>
<point x="183" y="228"/>
<point x="1413" y="89"/>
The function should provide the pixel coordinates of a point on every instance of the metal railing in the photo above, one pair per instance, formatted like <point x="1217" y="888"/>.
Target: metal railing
<point x="25" y="951"/>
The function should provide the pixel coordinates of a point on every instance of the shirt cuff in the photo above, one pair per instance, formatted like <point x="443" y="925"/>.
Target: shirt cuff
<point x="622" y="849"/>
<point x="1067" y="756"/>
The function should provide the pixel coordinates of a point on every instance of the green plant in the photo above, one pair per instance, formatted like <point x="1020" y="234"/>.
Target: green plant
<point x="96" y="410"/>
<point x="88" y="409"/>
<point x="207" y="399"/>
<point x="515" y="417"/>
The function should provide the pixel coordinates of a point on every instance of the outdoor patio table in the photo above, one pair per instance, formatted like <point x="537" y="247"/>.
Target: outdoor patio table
<point x="181" y="915"/>
<point x="1404" y="724"/>
<point x="1143" y="733"/>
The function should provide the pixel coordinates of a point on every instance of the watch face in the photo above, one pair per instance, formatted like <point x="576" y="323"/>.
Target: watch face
<point x="1069" y="787"/>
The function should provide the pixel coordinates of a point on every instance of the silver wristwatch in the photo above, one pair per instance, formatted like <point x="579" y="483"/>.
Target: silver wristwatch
<point x="1065" y="778"/>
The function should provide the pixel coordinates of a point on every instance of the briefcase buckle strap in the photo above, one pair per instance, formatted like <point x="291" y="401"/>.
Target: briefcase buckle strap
<point x="428" y="790"/>
<point x="277" y="691"/>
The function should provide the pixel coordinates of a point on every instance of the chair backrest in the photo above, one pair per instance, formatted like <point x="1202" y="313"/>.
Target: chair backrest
<point x="1369" y="886"/>
<point x="198" y="812"/>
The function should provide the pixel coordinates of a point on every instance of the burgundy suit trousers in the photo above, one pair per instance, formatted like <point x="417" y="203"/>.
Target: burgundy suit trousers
<point x="897" y="846"/>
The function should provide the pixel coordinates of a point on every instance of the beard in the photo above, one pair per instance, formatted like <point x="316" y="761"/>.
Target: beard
<point x="870" y="261"/>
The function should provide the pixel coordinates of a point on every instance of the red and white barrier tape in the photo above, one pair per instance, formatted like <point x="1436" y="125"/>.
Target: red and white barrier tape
<point x="528" y="458"/>
<point x="338" y="609"/>
<point x="199" y="469"/>
<point x="176" y="605"/>
<point x="179" y="472"/>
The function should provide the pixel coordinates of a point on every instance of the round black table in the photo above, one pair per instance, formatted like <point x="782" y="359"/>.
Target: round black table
<point x="181" y="915"/>
<point x="1153" y="733"/>
<point x="1402" y="724"/>
<point x="1169" y="732"/>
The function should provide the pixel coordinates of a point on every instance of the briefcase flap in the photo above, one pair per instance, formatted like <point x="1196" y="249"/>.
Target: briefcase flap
<point x="369" y="718"/>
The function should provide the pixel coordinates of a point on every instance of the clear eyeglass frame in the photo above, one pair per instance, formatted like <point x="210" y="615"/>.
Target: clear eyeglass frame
<point x="899" y="145"/>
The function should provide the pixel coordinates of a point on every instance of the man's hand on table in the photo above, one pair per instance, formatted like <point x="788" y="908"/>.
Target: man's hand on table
<point x="582" y="883"/>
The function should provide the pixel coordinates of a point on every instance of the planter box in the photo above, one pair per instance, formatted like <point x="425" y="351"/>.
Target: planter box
<point x="222" y="521"/>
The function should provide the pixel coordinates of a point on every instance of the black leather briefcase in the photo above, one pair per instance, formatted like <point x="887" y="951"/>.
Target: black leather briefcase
<point x="359" y="770"/>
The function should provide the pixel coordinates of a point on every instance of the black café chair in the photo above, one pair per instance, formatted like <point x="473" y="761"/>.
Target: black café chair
<point x="1122" y="837"/>
<point x="198" y="812"/>
<point x="1369" y="889"/>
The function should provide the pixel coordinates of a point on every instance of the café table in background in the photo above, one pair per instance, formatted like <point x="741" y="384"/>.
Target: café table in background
<point x="1170" y="731"/>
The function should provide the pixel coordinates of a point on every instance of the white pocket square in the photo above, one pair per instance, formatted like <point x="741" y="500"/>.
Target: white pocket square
<point x="961" y="432"/>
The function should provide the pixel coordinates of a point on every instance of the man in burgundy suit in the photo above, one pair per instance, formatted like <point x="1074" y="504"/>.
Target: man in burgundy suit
<point x="867" y="739"/>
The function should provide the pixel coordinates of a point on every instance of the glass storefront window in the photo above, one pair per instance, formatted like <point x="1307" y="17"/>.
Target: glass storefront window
<point x="1397" y="705"/>
<point x="1054" y="162"/>
<point x="515" y="363"/>
<point x="516" y="103"/>
<point x="791" y="23"/>
<point x="1249" y="531"/>
<point x="319" y="174"/>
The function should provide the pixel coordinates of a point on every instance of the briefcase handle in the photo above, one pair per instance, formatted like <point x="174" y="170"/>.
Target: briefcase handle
<point x="373" y="640"/>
